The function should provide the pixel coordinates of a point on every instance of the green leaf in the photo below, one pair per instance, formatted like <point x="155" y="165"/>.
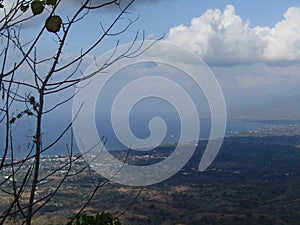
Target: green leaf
<point x="117" y="222"/>
<point x="106" y="218"/>
<point x="32" y="100"/>
<point x="24" y="8"/>
<point x="12" y="120"/>
<point x="53" y="23"/>
<point x="51" y="2"/>
<point x="28" y="112"/>
<point x="20" y="115"/>
<point x="37" y="7"/>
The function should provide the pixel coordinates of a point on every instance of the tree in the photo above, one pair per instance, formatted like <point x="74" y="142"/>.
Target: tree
<point x="48" y="74"/>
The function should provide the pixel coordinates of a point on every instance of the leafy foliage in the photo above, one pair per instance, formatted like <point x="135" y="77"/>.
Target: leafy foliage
<point x="27" y="111"/>
<point x="37" y="7"/>
<point x="51" y="2"/>
<point x="52" y="23"/>
<point x="24" y="8"/>
<point x="104" y="218"/>
<point x="26" y="98"/>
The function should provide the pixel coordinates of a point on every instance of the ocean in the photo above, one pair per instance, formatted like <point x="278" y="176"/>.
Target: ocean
<point x="140" y="129"/>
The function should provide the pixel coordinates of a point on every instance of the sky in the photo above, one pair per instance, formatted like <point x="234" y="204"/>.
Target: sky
<point x="252" y="47"/>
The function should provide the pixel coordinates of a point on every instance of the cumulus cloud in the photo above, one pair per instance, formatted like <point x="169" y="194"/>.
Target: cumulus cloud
<point x="224" y="38"/>
<point x="283" y="41"/>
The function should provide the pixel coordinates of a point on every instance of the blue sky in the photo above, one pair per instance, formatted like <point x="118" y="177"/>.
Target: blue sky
<point x="264" y="83"/>
<point x="253" y="47"/>
<point x="160" y="16"/>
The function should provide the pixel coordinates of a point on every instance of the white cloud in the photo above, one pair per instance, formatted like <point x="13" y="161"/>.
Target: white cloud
<point x="283" y="41"/>
<point x="150" y="36"/>
<point x="224" y="38"/>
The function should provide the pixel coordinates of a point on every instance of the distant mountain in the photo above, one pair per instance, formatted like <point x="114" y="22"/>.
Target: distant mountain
<point x="279" y="106"/>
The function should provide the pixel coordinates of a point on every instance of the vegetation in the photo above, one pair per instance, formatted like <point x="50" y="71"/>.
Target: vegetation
<point x="252" y="181"/>
<point x="30" y="76"/>
<point x="100" y="219"/>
